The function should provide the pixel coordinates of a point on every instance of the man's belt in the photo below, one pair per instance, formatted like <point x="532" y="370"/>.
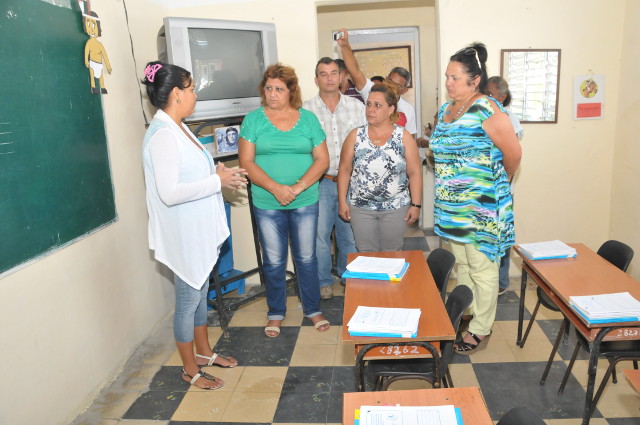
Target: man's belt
<point x="330" y="177"/>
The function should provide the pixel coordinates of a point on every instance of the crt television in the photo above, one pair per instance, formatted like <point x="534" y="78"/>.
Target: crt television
<point x="227" y="60"/>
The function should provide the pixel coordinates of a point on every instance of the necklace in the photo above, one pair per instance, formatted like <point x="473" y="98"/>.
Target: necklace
<point x="461" y="108"/>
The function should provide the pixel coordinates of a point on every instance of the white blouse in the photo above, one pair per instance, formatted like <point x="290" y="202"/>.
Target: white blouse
<point x="187" y="220"/>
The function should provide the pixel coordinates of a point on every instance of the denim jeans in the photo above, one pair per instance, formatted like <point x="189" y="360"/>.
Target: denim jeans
<point x="328" y="218"/>
<point x="504" y="269"/>
<point x="191" y="309"/>
<point x="275" y="229"/>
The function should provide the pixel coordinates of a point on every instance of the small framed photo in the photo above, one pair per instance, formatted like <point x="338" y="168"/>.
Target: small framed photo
<point x="227" y="140"/>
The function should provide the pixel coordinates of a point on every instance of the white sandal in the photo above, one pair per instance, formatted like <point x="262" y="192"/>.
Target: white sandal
<point x="205" y="375"/>
<point x="212" y="359"/>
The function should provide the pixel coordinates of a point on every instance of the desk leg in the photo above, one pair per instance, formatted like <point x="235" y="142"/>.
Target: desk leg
<point x="594" y="353"/>
<point x="523" y="288"/>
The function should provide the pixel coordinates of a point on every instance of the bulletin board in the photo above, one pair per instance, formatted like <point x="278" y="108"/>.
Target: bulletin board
<point x="54" y="164"/>
<point x="379" y="61"/>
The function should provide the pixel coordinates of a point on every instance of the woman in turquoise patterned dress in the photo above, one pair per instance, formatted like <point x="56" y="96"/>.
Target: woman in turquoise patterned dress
<point x="476" y="153"/>
<point x="379" y="179"/>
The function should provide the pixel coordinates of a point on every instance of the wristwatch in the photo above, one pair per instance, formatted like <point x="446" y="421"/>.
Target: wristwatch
<point x="416" y="205"/>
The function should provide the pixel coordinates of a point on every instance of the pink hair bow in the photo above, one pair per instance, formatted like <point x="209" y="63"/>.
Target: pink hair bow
<point x="150" y="71"/>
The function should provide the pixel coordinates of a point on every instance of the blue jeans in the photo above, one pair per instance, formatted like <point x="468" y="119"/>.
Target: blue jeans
<point x="275" y="229"/>
<point x="191" y="309"/>
<point x="505" y="261"/>
<point x="328" y="218"/>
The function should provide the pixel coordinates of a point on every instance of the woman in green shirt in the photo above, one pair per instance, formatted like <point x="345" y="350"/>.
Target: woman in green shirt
<point x="283" y="149"/>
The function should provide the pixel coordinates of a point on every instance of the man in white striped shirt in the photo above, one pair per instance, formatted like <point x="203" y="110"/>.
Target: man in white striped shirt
<point x="338" y="115"/>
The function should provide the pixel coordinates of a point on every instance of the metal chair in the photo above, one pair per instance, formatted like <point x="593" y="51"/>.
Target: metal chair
<point x="620" y="255"/>
<point x="521" y="416"/>
<point x="388" y="371"/>
<point x="441" y="263"/>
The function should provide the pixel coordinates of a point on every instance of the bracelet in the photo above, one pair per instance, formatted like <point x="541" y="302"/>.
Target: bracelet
<point x="416" y="205"/>
<point x="303" y="184"/>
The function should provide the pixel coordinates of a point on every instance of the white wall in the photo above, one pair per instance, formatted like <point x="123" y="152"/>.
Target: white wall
<point x="625" y="204"/>
<point x="563" y="190"/>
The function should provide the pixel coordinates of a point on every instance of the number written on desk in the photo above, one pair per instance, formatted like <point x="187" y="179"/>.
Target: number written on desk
<point x="627" y="332"/>
<point x="394" y="350"/>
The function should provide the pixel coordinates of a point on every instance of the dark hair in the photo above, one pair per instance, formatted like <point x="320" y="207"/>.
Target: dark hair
<point x="163" y="80"/>
<point x="89" y="15"/>
<point x="377" y="78"/>
<point x="232" y="130"/>
<point x="391" y="96"/>
<point x="403" y="73"/>
<point x="503" y="88"/>
<point x="288" y="76"/>
<point x="341" y="65"/>
<point x="326" y="61"/>
<point x="474" y="59"/>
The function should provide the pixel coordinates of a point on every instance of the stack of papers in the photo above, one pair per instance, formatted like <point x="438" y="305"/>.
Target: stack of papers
<point x="410" y="415"/>
<point x="376" y="268"/>
<point x="606" y="308"/>
<point x="547" y="250"/>
<point x="384" y="322"/>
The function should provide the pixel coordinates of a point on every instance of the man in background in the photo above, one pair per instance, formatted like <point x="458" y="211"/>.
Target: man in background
<point x="346" y="86"/>
<point x="398" y="76"/>
<point x="338" y="114"/>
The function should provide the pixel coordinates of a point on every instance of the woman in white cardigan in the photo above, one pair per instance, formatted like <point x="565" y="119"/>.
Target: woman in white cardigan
<point x="187" y="221"/>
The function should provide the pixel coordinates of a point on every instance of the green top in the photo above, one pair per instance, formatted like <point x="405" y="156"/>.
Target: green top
<point x="284" y="155"/>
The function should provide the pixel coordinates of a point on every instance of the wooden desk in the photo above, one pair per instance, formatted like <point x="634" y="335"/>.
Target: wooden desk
<point x="469" y="400"/>
<point x="633" y="376"/>
<point x="416" y="290"/>
<point x="586" y="274"/>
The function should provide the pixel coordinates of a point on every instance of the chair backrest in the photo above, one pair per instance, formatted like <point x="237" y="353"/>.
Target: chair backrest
<point x="459" y="300"/>
<point x="441" y="263"/>
<point x="617" y="253"/>
<point x="521" y="416"/>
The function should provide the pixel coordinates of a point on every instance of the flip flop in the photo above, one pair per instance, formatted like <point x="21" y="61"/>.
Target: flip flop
<point x="275" y="329"/>
<point x="214" y="357"/>
<point x="321" y="323"/>
<point x="205" y="375"/>
<point x="466" y="348"/>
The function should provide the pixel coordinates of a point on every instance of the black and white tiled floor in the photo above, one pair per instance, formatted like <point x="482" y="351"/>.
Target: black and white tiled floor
<point x="300" y="376"/>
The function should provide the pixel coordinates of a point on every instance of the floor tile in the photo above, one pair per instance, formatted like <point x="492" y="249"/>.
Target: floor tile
<point x="522" y="389"/>
<point x="251" y="407"/>
<point x="313" y="355"/>
<point x="416" y="243"/>
<point x="155" y="405"/>
<point x="202" y="406"/>
<point x="262" y="379"/>
<point x="302" y="407"/>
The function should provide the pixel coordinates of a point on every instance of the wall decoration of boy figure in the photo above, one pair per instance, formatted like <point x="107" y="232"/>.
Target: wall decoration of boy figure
<point x="95" y="55"/>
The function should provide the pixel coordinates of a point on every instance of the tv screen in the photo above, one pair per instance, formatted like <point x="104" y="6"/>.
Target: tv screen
<point x="226" y="63"/>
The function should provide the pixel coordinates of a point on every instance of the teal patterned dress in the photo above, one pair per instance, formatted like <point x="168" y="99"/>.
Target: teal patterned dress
<point x="473" y="203"/>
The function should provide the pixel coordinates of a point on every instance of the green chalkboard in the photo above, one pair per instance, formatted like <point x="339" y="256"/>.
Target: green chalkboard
<point x="55" y="181"/>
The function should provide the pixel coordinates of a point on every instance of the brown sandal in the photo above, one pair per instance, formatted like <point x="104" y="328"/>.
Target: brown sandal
<point x="465" y="348"/>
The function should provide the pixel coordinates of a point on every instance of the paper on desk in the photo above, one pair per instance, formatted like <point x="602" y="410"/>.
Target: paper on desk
<point x="606" y="306"/>
<point x="380" y="320"/>
<point x="364" y="264"/>
<point x="408" y="415"/>
<point x="547" y="250"/>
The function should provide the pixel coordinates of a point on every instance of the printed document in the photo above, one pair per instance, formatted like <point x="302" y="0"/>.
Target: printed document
<point x="408" y="415"/>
